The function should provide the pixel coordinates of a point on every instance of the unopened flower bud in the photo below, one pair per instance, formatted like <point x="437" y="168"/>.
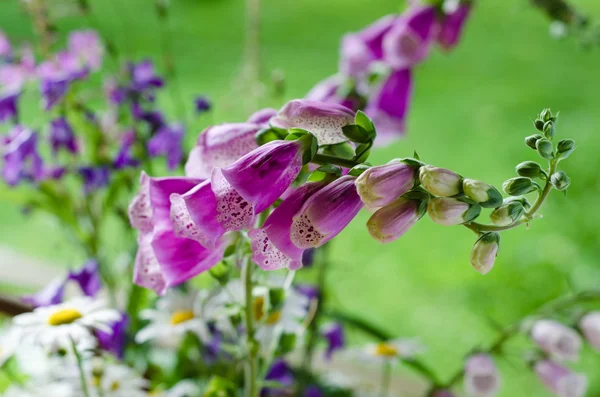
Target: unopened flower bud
<point x="450" y="211"/>
<point x="379" y="186"/>
<point x="485" y="251"/>
<point x="590" y="326"/>
<point x="546" y="115"/>
<point x="481" y="376"/>
<point x="565" y="147"/>
<point x="519" y="186"/>
<point x="549" y="129"/>
<point x="560" y="180"/>
<point x="532" y="140"/>
<point x="440" y="181"/>
<point x="561" y="380"/>
<point x="544" y="148"/>
<point x="507" y="214"/>
<point x="556" y="339"/>
<point x="539" y="124"/>
<point x="392" y="221"/>
<point x="482" y="193"/>
<point x="529" y="169"/>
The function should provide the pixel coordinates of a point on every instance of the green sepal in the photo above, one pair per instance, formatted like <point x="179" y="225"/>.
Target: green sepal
<point x="519" y="186"/>
<point x="362" y="152"/>
<point x="473" y="212"/>
<point x="366" y="123"/>
<point x="413" y="161"/>
<point x="359" y="169"/>
<point x="343" y="150"/>
<point x="270" y="134"/>
<point x="564" y="148"/>
<point x="356" y="133"/>
<point x="309" y="141"/>
<point x="495" y="199"/>
<point x="532" y="140"/>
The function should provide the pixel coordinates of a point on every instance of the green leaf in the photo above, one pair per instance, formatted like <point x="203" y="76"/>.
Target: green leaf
<point x="365" y="122"/>
<point x="356" y="133"/>
<point x="362" y="152"/>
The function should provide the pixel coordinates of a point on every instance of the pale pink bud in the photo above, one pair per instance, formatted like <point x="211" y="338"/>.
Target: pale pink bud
<point x="481" y="376"/>
<point x="556" y="339"/>
<point x="560" y="380"/>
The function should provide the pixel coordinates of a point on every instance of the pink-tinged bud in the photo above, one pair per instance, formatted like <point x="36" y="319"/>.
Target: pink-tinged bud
<point x="485" y="251"/>
<point x="481" y="376"/>
<point x="219" y="146"/>
<point x="324" y="120"/>
<point x="326" y="213"/>
<point x="450" y="211"/>
<point x="482" y="193"/>
<point x="452" y="26"/>
<point x="392" y="221"/>
<point x="440" y="181"/>
<point x="590" y="326"/>
<point x="556" y="339"/>
<point x="560" y="380"/>
<point x="379" y="186"/>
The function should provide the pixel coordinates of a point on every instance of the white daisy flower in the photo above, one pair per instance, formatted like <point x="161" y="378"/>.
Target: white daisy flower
<point x="114" y="380"/>
<point x="57" y="326"/>
<point x="9" y="343"/>
<point x="390" y="351"/>
<point x="57" y="389"/>
<point x="176" y="314"/>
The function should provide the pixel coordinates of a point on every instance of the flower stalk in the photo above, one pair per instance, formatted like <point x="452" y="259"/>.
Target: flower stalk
<point x="84" y="384"/>
<point x="251" y="371"/>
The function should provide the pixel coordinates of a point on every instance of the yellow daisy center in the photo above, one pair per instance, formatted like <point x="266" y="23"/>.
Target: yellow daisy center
<point x="64" y="316"/>
<point x="181" y="316"/>
<point x="386" y="350"/>
<point x="274" y="318"/>
<point x="259" y="308"/>
<point x="115" y="386"/>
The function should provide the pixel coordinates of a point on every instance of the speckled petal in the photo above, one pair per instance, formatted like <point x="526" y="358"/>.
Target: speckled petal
<point x="233" y="211"/>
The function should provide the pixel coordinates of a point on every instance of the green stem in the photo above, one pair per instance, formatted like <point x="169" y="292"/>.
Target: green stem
<point x="323" y="159"/>
<point x="386" y="378"/>
<point x="84" y="386"/>
<point x="251" y="372"/>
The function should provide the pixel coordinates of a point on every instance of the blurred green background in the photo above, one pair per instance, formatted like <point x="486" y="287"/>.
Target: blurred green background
<point x="472" y="109"/>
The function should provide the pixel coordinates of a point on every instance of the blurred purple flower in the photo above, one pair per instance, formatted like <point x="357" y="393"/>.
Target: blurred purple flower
<point x="70" y="66"/>
<point x="561" y="380"/>
<point x="482" y="378"/>
<point x="62" y="136"/>
<point x="13" y="76"/>
<point x="167" y="142"/>
<point x="313" y="391"/>
<point x="114" y="342"/>
<point x="452" y="26"/>
<point x="334" y="334"/>
<point x="309" y="290"/>
<point x="87" y="47"/>
<point x="8" y="104"/>
<point x="94" y="178"/>
<point x="202" y="104"/>
<point x="281" y="373"/>
<point x="143" y="76"/>
<point x="21" y="157"/>
<point x="262" y="117"/>
<point x="124" y="158"/>
<point x="308" y="257"/>
<point x="5" y="48"/>
<point x="88" y="278"/>
<point x="51" y="294"/>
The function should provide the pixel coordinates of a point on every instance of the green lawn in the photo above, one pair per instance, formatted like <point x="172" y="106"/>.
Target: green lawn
<point x="471" y="111"/>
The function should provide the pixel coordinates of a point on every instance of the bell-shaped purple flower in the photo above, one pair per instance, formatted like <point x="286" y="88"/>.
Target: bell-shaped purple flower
<point x="329" y="91"/>
<point x="124" y="158"/>
<point x="114" y="341"/>
<point x="481" y="376"/>
<point x="281" y="373"/>
<point x="54" y="82"/>
<point x="561" y="380"/>
<point x="272" y="247"/>
<point x="590" y="326"/>
<point x="324" y="120"/>
<point x="219" y="146"/>
<point x="87" y="47"/>
<point x="388" y="105"/>
<point x="8" y="104"/>
<point x="262" y="117"/>
<point x="264" y="174"/>
<point x="143" y="76"/>
<point x="21" y="157"/>
<point x="379" y="186"/>
<point x="452" y="26"/>
<point x="556" y="339"/>
<point x="326" y="213"/>
<point x="392" y="221"/>
<point x="88" y="278"/>
<point x="334" y="334"/>
<point x="62" y="136"/>
<point x="94" y="178"/>
<point x="201" y="104"/>
<point x="167" y="142"/>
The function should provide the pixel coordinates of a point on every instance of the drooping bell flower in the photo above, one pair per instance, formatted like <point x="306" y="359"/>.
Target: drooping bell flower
<point x="201" y="104"/>
<point x="281" y="373"/>
<point x="485" y="251"/>
<point x="94" y="178"/>
<point x="330" y="90"/>
<point x="8" y="104"/>
<point x="87" y="47"/>
<point x="219" y="146"/>
<point x="561" y="380"/>
<point x="272" y="246"/>
<point x="21" y="157"/>
<point x="5" y="48"/>
<point x="143" y="76"/>
<point x="124" y="157"/>
<point x="590" y="326"/>
<point x="449" y="211"/>
<point x="409" y="41"/>
<point x="481" y="376"/>
<point x="262" y="117"/>
<point x="326" y="213"/>
<point x="264" y="174"/>
<point x="62" y="136"/>
<point x="388" y="105"/>
<point x="324" y="120"/>
<point x="167" y="142"/>
<point x="389" y="223"/>
<point x="556" y="339"/>
<point x="379" y="186"/>
<point x="334" y="334"/>
<point x="88" y="278"/>
<point x="114" y="341"/>
<point x="452" y="26"/>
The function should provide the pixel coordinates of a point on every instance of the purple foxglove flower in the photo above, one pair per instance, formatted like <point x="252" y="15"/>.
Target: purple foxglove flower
<point x="219" y="146"/>
<point x="87" y="47"/>
<point x="392" y="221"/>
<point x="94" y="178"/>
<point x="326" y="213"/>
<point x="450" y="211"/>
<point x="325" y="91"/>
<point x="281" y="373"/>
<point x="381" y="185"/>
<point x="560" y="380"/>
<point x="262" y="117"/>
<point x="485" y="251"/>
<point x="334" y="334"/>
<point x="452" y="26"/>
<point x="308" y="257"/>
<point x="264" y="174"/>
<point x="408" y="42"/>
<point x="143" y="76"/>
<point x="62" y="136"/>
<point x="88" y="278"/>
<point x="167" y="142"/>
<point x="8" y="104"/>
<point x="12" y="77"/>
<point x="124" y="158"/>
<point x="70" y="66"/>
<point x="154" y="119"/>
<point x="309" y="290"/>
<point x="51" y="294"/>
<point x="313" y="391"/>
<point x="272" y="247"/>
<point x="590" y="326"/>
<point x="21" y="157"/>
<point x="202" y="104"/>
<point x="556" y="339"/>
<point x="324" y="120"/>
<point x="114" y="342"/>
<point x="481" y="376"/>
<point x="53" y="83"/>
<point x="439" y="181"/>
<point x="5" y="48"/>
<point x="388" y="106"/>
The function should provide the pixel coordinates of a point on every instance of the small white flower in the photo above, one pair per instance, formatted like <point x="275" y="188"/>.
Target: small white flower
<point x="56" y="389"/>
<point x="59" y="325"/>
<point x="390" y="351"/>
<point x="176" y="314"/>
<point x="185" y="388"/>
<point x="9" y="342"/>
<point x="114" y="380"/>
